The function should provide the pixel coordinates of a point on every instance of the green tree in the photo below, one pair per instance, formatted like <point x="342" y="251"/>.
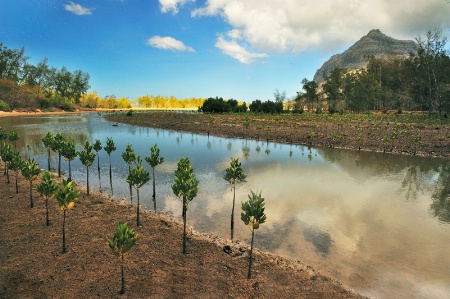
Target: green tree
<point x="98" y="147"/>
<point x="109" y="148"/>
<point x="47" y="188"/>
<point x="185" y="186"/>
<point x="129" y="157"/>
<point x="333" y="88"/>
<point x="137" y="177"/>
<point x="66" y="197"/>
<point x="154" y="160"/>
<point x="311" y="93"/>
<point x="48" y="143"/>
<point x="253" y="215"/>
<point x="121" y="243"/>
<point x="15" y="164"/>
<point x="234" y="174"/>
<point x="30" y="171"/>
<point x="432" y="75"/>
<point x="57" y="145"/>
<point x="69" y="152"/>
<point x="87" y="157"/>
<point x="13" y="137"/>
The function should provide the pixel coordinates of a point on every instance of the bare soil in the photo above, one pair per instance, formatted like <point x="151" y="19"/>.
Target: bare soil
<point x="32" y="264"/>
<point x="405" y="134"/>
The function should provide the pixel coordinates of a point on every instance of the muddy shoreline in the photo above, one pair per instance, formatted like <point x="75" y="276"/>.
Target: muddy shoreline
<point x="385" y="133"/>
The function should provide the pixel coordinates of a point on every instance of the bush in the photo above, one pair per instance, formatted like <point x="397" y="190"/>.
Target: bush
<point x="4" y="106"/>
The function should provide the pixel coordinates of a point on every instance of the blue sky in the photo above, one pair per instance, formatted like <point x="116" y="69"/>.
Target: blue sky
<point x="241" y="49"/>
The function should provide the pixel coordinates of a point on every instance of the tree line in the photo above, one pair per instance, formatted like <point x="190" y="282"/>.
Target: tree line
<point x="185" y="185"/>
<point x="418" y="82"/>
<point x="24" y="85"/>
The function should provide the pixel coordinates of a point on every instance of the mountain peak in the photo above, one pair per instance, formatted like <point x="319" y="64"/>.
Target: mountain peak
<point x="375" y="33"/>
<point x="374" y="43"/>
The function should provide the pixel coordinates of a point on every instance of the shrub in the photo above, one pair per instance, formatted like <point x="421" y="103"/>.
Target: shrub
<point x="4" y="106"/>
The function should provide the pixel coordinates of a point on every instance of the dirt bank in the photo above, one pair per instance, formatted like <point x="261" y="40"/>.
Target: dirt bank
<point x="406" y="134"/>
<point x="32" y="265"/>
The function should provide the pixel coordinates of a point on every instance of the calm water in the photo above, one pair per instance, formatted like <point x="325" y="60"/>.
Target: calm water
<point x="377" y="223"/>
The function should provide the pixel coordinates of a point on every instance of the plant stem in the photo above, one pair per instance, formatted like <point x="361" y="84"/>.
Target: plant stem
<point x="249" y="274"/>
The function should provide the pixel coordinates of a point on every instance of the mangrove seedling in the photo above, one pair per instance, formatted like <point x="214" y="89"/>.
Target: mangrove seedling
<point x="13" y="137"/>
<point x="30" y="171"/>
<point x="137" y="177"/>
<point x="7" y="155"/>
<point x="121" y="243"/>
<point x="129" y="157"/>
<point x="154" y="160"/>
<point x="234" y="174"/>
<point x="253" y="215"/>
<point x="185" y="186"/>
<point x="3" y="136"/>
<point x="48" y="143"/>
<point x="66" y="197"/>
<point x="47" y="189"/>
<point x="109" y="148"/>
<point x="15" y="164"/>
<point x="98" y="147"/>
<point x="56" y="146"/>
<point x="69" y="152"/>
<point x="87" y="157"/>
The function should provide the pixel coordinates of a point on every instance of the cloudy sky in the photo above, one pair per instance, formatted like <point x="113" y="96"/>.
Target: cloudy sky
<point x="241" y="49"/>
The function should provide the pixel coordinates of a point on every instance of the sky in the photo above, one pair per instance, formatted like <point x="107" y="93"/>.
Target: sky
<point x="240" y="49"/>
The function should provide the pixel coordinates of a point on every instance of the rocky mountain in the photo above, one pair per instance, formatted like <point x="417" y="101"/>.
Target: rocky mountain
<point x="374" y="43"/>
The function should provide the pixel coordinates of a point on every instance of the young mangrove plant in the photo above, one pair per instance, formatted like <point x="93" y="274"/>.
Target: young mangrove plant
<point x="47" y="189"/>
<point x="129" y="157"/>
<point x="30" y="171"/>
<point x="137" y="177"/>
<point x="121" y="243"/>
<point x="69" y="152"/>
<point x="13" y="137"/>
<point x="87" y="157"/>
<point x="15" y="164"/>
<point x="154" y="160"/>
<point x="3" y="136"/>
<point x="48" y="143"/>
<point x="185" y="186"/>
<point x="66" y="197"/>
<point x="253" y="215"/>
<point x="7" y="155"/>
<point x="109" y="148"/>
<point x="57" y="145"/>
<point x="234" y="174"/>
<point x="98" y="147"/>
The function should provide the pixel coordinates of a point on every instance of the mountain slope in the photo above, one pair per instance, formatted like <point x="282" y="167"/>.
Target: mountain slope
<point x="374" y="43"/>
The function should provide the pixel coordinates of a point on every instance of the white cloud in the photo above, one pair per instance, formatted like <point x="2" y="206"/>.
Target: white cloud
<point x="168" y="43"/>
<point x="327" y="25"/>
<point x="172" y="5"/>
<point x="233" y="49"/>
<point x="77" y="9"/>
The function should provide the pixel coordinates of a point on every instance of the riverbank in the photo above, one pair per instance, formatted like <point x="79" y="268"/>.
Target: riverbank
<point x="32" y="265"/>
<point x="405" y="134"/>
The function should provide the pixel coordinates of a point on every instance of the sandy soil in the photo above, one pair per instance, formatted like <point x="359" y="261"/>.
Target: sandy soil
<point x="32" y="264"/>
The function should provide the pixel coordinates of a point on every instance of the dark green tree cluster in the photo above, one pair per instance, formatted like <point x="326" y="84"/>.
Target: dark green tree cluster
<point x="219" y="105"/>
<point x="266" y="107"/>
<point x="419" y="82"/>
<point x="26" y="85"/>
